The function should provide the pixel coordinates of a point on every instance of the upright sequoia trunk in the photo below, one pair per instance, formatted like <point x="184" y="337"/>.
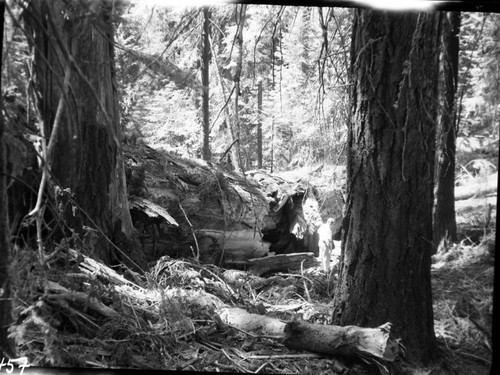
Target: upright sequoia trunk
<point x="445" y="224"/>
<point x="77" y="38"/>
<point x="6" y="344"/>
<point x="386" y="256"/>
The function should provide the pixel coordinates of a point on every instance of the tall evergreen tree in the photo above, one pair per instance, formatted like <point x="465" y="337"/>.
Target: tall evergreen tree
<point x="445" y="225"/>
<point x="6" y="344"/>
<point x="387" y="245"/>
<point x="79" y="119"/>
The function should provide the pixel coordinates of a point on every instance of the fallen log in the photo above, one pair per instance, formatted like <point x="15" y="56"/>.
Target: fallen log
<point x="95" y="269"/>
<point x="139" y="295"/>
<point x="350" y="341"/>
<point x="282" y="262"/>
<point x="57" y="294"/>
<point x="254" y="323"/>
<point x="180" y="195"/>
<point x="207" y="198"/>
<point x="366" y="343"/>
<point x="237" y="245"/>
<point x="482" y="188"/>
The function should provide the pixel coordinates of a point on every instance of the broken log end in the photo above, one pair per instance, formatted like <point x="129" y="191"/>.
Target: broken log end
<point x="347" y="341"/>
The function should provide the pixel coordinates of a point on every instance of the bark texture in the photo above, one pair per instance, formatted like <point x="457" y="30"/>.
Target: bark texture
<point x="349" y="341"/>
<point x="87" y="173"/>
<point x="227" y="216"/>
<point x="6" y="346"/>
<point x="387" y="243"/>
<point x="445" y="224"/>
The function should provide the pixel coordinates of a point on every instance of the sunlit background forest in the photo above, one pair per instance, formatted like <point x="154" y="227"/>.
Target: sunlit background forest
<point x="301" y="57"/>
<point x="303" y="77"/>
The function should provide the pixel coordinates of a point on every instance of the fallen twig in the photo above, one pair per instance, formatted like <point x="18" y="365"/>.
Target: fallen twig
<point x="477" y="358"/>
<point x="197" y="255"/>
<point x="287" y="356"/>
<point x="241" y="368"/>
<point x="304" y="281"/>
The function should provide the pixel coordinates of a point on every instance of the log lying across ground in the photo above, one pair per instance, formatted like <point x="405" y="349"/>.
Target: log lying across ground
<point x="202" y="197"/>
<point x="349" y="341"/>
<point x="232" y="217"/>
<point x="482" y="188"/>
<point x="353" y="341"/>
<point x="282" y="262"/>
<point x="236" y="244"/>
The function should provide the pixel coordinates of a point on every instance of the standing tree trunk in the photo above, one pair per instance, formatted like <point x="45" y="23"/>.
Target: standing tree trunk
<point x="445" y="225"/>
<point x="259" y="124"/>
<point x="387" y="244"/>
<point x="205" y="82"/>
<point x="6" y="346"/>
<point x="75" y="40"/>
<point x="240" y="21"/>
<point x="226" y="112"/>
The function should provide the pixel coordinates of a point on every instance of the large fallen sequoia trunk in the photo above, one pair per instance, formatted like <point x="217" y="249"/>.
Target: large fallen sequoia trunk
<point x="185" y="207"/>
<point x="235" y="245"/>
<point x="225" y="217"/>
<point x="211" y="205"/>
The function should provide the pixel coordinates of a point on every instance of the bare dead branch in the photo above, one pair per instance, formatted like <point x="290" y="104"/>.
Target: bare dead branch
<point x="197" y="255"/>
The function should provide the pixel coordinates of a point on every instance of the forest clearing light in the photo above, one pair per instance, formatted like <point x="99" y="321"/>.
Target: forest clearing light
<point x="399" y="4"/>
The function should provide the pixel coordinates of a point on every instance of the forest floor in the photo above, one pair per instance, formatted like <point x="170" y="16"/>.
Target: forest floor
<point x="462" y="284"/>
<point x="79" y="313"/>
